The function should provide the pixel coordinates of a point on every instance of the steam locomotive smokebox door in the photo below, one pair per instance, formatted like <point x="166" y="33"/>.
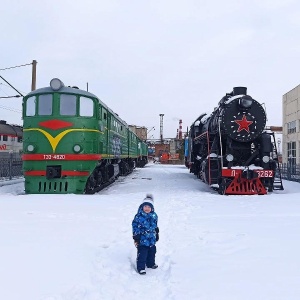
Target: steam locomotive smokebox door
<point x="243" y="125"/>
<point x="53" y="172"/>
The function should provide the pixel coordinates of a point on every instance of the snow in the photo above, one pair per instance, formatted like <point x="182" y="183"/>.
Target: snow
<point x="211" y="247"/>
<point x="251" y="167"/>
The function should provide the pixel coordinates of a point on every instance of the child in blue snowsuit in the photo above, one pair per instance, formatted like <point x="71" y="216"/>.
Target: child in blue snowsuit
<point x="145" y="235"/>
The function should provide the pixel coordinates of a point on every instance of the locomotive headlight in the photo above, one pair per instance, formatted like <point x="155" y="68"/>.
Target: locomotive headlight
<point x="30" y="148"/>
<point x="77" y="148"/>
<point x="266" y="159"/>
<point x="246" y="102"/>
<point x="229" y="157"/>
<point x="56" y="84"/>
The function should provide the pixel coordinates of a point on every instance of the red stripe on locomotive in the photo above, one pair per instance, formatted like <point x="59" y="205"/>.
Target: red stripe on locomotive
<point x="55" y="157"/>
<point x="63" y="173"/>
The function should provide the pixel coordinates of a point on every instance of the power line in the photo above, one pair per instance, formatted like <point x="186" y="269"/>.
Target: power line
<point x="11" y="86"/>
<point x="17" y="96"/>
<point x="4" y="92"/>
<point x="33" y="83"/>
<point x="11" y="109"/>
<point x="8" y="86"/>
<point x="15" y="67"/>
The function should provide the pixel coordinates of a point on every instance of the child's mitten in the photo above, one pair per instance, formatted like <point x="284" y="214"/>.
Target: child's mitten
<point x="136" y="239"/>
<point x="157" y="235"/>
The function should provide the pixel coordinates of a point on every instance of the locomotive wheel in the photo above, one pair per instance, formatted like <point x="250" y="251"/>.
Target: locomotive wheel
<point x="94" y="181"/>
<point x="99" y="179"/>
<point x="91" y="184"/>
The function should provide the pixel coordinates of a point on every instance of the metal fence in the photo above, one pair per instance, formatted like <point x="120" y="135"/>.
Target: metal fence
<point x="290" y="172"/>
<point x="10" y="166"/>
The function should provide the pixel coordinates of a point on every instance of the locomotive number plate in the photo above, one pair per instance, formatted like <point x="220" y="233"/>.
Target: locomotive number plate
<point x="54" y="156"/>
<point x="237" y="172"/>
<point x="264" y="173"/>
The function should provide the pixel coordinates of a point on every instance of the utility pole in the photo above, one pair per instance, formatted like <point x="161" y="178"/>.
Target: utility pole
<point x="161" y="127"/>
<point x="33" y="82"/>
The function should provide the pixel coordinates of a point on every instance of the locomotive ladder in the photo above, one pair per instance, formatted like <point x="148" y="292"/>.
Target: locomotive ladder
<point x="278" y="178"/>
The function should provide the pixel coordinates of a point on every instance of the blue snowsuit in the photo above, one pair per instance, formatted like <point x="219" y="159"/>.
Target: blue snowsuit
<point x="145" y="233"/>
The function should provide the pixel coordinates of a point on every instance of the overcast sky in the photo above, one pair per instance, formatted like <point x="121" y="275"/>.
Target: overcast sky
<point x="145" y="58"/>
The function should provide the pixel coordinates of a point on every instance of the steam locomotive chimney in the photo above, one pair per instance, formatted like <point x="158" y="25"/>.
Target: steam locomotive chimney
<point x="239" y="90"/>
<point x="180" y="130"/>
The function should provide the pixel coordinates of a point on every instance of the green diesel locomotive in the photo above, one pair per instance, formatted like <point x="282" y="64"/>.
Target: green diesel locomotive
<point x="74" y="143"/>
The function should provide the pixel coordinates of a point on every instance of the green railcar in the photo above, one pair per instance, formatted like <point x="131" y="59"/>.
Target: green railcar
<point x="73" y="142"/>
<point x="142" y="159"/>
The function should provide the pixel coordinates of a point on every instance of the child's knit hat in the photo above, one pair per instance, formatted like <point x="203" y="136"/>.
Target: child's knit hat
<point x="148" y="200"/>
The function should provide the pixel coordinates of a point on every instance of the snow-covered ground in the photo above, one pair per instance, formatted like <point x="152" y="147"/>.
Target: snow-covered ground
<point x="211" y="247"/>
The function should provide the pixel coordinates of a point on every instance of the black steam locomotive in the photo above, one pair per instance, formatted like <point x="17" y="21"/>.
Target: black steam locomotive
<point x="230" y="150"/>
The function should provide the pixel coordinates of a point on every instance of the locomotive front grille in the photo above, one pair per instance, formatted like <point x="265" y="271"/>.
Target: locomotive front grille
<point x="53" y="187"/>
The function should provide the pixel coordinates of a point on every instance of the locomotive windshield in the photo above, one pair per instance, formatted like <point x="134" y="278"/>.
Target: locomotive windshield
<point x="86" y="107"/>
<point x="30" y="106"/>
<point x="69" y="105"/>
<point x="45" y="105"/>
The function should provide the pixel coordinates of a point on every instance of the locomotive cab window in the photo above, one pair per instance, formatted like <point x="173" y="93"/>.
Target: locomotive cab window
<point x="86" y="107"/>
<point x="30" y="106"/>
<point x="45" y="105"/>
<point x="67" y="105"/>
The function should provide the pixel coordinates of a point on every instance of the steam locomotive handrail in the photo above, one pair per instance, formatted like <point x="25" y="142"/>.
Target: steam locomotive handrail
<point x="220" y="139"/>
<point x="208" y="151"/>
<point x="202" y="135"/>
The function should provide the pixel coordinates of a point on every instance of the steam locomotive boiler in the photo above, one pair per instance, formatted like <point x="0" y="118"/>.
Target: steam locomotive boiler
<point x="230" y="150"/>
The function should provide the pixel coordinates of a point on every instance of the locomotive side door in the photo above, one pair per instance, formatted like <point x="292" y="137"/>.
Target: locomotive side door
<point x="105" y="131"/>
<point x="108" y="135"/>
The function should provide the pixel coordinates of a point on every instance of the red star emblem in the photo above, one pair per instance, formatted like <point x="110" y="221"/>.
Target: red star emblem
<point x="243" y="124"/>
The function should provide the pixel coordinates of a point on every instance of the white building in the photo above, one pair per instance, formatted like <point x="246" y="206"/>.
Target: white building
<point x="291" y="126"/>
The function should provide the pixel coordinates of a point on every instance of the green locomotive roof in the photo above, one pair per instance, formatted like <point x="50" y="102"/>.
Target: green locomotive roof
<point x="74" y="91"/>
<point x="65" y="90"/>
